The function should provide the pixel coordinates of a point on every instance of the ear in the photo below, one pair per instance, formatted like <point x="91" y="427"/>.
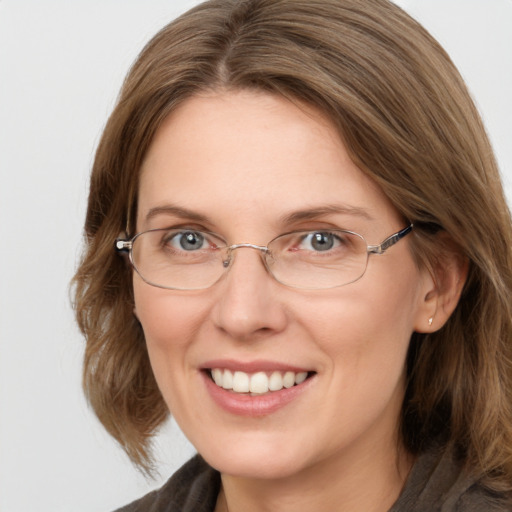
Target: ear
<point x="443" y="287"/>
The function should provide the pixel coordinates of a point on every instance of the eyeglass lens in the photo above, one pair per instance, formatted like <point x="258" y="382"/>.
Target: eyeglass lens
<point x="188" y="260"/>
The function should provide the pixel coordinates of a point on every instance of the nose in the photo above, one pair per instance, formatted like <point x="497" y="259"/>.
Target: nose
<point x="249" y="305"/>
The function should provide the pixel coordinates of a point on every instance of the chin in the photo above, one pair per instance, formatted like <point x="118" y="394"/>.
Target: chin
<point x="257" y="467"/>
<point x="259" y="456"/>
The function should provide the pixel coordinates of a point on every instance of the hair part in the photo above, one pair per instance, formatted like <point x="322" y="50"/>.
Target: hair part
<point x="408" y="122"/>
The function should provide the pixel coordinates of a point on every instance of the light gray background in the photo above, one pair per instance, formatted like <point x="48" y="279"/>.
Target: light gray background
<point x="61" y="66"/>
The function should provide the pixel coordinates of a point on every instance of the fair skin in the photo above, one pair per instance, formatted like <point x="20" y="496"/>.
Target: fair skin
<point x="239" y="164"/>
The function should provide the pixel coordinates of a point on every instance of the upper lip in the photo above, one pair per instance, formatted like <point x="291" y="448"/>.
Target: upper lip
<point x="253" y="366"/>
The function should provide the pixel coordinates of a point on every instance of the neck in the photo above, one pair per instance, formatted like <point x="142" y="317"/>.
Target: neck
<point x="349" y="483"/>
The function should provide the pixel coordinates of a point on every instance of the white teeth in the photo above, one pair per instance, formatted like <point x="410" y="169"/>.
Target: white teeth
<point x="289" y="379"/>
<point x="241" y="382"/>
<point x="258" y="383"/>
<point x="217" y="376"/>
<point x="301" y="377"/>
<point x="276" y="382"/>
<point x="227" y="380"/>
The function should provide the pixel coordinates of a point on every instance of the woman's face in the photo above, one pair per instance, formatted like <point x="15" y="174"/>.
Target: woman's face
<point x="251" y="166"/>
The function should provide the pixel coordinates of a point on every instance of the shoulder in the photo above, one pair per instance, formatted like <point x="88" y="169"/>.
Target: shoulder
<point x="439" y="483"/>
<point x="193" y="488"/>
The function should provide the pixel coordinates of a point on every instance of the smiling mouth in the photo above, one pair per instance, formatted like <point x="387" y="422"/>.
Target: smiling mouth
<point x="258" y="383"/>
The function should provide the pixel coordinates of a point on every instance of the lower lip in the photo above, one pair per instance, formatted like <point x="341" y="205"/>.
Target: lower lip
<point x="257" y="405"/>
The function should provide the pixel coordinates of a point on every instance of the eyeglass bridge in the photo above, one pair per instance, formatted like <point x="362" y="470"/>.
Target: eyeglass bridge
<point x="262" y="248"/>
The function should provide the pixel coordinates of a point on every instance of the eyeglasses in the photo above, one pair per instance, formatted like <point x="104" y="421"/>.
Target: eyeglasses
<point x="187" y="259"/>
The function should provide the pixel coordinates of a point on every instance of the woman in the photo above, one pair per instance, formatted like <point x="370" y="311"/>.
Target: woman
<point x="316" y="277"/>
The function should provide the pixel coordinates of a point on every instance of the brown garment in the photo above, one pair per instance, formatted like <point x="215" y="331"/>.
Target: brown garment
<point x="193" y="488"/>
<point x="436" y="484"/>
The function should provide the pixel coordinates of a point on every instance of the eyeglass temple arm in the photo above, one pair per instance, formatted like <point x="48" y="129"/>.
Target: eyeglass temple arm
<point x="391" y="240"/>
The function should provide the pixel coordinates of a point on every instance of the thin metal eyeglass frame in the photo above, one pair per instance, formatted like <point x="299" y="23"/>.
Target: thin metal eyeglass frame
<point x="123" y="245"/>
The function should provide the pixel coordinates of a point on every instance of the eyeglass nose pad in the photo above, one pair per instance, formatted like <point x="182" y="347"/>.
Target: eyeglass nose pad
<point x="229" y="258"/>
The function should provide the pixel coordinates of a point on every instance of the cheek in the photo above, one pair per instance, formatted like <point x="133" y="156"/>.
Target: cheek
<point x="366" y="346"/>
<point x="358" y="315"/>
<point x="170" y="323"/>
<point x="168" y="320"/>
<point x="367" y="326"/>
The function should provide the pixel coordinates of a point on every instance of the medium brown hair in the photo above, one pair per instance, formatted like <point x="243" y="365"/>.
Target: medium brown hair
<point x="408" y="122"/>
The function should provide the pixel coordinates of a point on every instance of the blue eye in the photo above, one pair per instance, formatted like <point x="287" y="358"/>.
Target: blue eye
<point x="321" y="241"/>
<point x="188" y="241"/>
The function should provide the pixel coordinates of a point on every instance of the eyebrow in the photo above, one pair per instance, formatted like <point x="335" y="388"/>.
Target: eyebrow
<point x="176" y="211"/>
<point x="290" y="218"/>
<point x="315" y="213"/>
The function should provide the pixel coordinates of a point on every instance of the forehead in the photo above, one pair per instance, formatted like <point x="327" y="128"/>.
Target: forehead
<point x="247" y="157"/>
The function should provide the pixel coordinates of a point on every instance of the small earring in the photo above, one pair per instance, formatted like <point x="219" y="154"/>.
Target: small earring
<point x="430" y="320"/>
